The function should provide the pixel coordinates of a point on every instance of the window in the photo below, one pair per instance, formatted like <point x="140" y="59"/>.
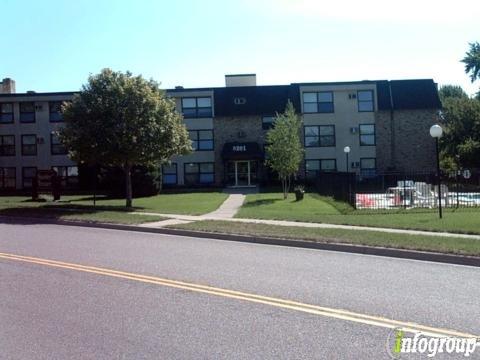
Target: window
<point x="56" y="147"/>
<point x="29" y="145"/>
<point x="7" y="178"/>
<point x="7" y="145"/>
<point x="318" y="102"/>
<point x="367" y="135"/>
<point x="27" y="112"/>
<point x="68" y="174"/>
<point x="201" y="139"/>
<point x="368" y="166"/>
<point x="6" y="113"/>
<point x="314" y="167"/>
<point x="365" y="101"/>
<point x="197" y="107"/>
<point x="267" y="122"/>
<point x="199" y="173"/>
<point x="28" y="173"/>
<point x="320" y="136"/>
<point x="55" y="108"/>
<point x="169" y="174"/>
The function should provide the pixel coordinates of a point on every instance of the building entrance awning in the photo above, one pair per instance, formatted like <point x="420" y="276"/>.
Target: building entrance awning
<point x="242" y="151"/>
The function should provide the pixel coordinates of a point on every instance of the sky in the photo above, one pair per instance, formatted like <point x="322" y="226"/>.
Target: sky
<point x="53" y="45"/>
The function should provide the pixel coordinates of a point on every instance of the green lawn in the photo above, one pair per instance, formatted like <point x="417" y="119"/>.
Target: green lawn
<point x="81" y="214"/>
<point x="195" y="203"/>
<point x="315" y="208"/>
<point x="363" y="237"/>
<point x="81" y="208"/>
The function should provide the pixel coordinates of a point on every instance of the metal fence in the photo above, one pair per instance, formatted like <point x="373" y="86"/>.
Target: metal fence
<point x="402" y="190"/>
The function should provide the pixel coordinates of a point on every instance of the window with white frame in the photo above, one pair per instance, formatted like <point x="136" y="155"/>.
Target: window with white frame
<point x="318" y="102"/>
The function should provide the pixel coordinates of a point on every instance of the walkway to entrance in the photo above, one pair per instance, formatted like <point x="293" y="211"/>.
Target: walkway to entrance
<point x="229" y="207"/>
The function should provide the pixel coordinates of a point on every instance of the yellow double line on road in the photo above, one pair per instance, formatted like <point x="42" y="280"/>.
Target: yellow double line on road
<point x="279" y="303"/>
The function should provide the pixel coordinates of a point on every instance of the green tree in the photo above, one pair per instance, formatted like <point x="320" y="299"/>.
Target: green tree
<point x="461" y="141"/>
<point x="451" y="91"/>
<point x="284" y="148"/>
<point x="118" y="119"/>
<point x="472" y="61"/>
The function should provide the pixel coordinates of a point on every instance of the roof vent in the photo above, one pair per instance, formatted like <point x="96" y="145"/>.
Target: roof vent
<point x="178" y="87"/>
<point x="31" y="92"/>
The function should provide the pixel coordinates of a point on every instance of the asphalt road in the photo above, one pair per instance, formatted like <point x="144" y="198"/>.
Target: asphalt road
<point x="63" y="312"/>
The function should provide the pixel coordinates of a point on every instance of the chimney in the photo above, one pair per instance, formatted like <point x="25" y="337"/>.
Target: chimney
<point x="241" y="80"/>
<point x="7" y="86"/>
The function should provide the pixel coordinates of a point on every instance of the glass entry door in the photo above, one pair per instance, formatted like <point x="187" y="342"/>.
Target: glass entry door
<point x="241" y="173"/>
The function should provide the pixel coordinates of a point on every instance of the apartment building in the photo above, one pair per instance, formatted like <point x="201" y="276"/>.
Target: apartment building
<point x="385" y="124"/>
<point x="28" y="122"/>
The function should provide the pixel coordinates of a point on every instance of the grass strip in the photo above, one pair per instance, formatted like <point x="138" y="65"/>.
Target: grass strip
<point x="441" y="244"/>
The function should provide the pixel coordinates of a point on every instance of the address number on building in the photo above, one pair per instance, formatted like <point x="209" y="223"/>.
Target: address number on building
<point x="239" y="148"/>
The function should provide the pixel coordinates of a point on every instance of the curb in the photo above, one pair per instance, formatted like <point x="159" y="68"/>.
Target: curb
<point x="330" y="246"/>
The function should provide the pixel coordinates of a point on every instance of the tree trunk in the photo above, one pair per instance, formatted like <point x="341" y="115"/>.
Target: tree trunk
<point x="284" y="185"/>
<point x="128" y="185"/>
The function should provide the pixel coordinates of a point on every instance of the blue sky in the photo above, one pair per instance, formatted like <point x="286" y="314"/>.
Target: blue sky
<point x="53" y="45"/>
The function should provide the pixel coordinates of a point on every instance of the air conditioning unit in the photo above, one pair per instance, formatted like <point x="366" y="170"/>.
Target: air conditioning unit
<point x="354" y="130"/>
<point x="39" y="107"/>
<point x="40" y="140"/>
<point x="352" y="96"/>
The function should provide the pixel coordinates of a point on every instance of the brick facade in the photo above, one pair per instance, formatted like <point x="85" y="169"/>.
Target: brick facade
<point x="409" y="147"/>
<point x="236" y="129"/>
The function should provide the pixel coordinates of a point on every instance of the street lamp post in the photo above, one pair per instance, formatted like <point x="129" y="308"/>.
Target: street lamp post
<point x="346" y="150"/>
<point x="436" y="132"/>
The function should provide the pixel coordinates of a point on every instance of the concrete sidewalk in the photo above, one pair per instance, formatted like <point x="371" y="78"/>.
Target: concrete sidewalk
<point x="191" y="218"/>
<point x="226" y="211"/>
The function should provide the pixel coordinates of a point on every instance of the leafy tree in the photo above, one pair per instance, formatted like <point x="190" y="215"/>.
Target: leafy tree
<point x="472" y="61"/>
<point x="122" y="120"/>
<point x="451" y="91"/>
<point x="461" y="141"/>
<point x="284" y="148"/>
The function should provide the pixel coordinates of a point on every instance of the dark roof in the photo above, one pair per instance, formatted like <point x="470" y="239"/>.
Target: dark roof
<point x="255" y="100"/>
<point x="414" y="94"/>
<point x="66" y="93"/>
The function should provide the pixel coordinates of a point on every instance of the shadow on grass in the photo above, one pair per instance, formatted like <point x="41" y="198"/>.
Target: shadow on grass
<point x="28" y="215"/>
<point x="252" y="204"/>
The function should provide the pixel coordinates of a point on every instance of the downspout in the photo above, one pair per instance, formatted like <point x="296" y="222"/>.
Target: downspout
<point x="392" y="128"/>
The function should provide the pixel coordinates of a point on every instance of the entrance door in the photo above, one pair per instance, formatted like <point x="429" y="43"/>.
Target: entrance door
<point x="243" y="173"/>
